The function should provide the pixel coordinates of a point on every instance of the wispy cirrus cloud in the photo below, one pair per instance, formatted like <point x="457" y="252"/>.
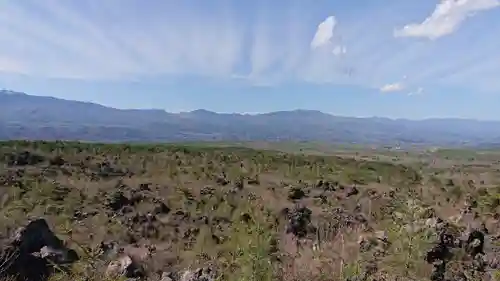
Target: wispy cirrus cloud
<point x="264" y="42"/>
<point x="72" y="39"/>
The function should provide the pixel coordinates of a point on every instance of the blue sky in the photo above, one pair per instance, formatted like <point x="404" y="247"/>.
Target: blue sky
<point x="394" y="58"/>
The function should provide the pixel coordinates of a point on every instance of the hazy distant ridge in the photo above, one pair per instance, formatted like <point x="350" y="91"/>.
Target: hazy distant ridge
<point x="24" y="116"/>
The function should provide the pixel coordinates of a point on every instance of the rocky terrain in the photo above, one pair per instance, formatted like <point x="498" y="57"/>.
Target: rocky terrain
<point x="77" y="211"/>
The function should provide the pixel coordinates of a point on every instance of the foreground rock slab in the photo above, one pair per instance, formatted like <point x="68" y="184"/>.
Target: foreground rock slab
<point x="33" y="252"/>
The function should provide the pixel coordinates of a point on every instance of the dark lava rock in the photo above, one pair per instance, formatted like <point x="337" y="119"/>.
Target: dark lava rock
<point x="254" y="181"/>
<point x="207" y="190"/>
<point x="222" y="180"/>
<point x="439" y="270"/>
<point x="24" y="158"/>
<point x="161" y="208"/>
<point x="475" y="243"/>
<point x="296" y="193"/>
<point x="439" y="252"/>
<point x="117" y="201"/>
<point x="57" y="161"/>
<point x="239" y="183"/>
<point x="34" y="252"/>
<point x="299" y="221"/>
<point x="351" y="191"/>
<point x="145" y="187"/>
<point x="326" y="185"/>
<point x="447" y="239"/>
<point x="106" y="170"/>
<point x="246" y="218"/>
<point x="284" y="212"/>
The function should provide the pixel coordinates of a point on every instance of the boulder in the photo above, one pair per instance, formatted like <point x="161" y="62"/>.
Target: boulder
<point x="33" y="252"/>
<point x="200" y="274"/>
<point x="124" y="266"/>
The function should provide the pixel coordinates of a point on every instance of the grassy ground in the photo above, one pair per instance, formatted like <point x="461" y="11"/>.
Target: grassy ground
<point x="230" y="207"/>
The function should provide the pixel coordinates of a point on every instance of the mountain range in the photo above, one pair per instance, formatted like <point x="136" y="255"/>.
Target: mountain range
<point x="24" y="116"/>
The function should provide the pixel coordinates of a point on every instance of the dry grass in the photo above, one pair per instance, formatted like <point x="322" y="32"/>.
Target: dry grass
<point x="225" y="207"/>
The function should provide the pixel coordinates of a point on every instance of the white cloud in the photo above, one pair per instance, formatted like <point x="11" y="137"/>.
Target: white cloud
<point x="418" y="91"/>
<point x="394" y="87"/>
<point x="324" y="33"/>
<point x="339" y="50"/>
<point x="326" y="56"/>
<point x="114" y="40"/>
<point x="446" y="18"/>
<point x="324" y="37"/>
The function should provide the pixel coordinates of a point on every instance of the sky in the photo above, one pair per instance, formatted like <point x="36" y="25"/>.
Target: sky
<point x="392" y="58"/>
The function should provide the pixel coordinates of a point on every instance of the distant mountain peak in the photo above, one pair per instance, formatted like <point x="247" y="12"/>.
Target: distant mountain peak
<point x="203" y="112"/>
<point x="310" y="112"/>
<point x="299" y="113"/>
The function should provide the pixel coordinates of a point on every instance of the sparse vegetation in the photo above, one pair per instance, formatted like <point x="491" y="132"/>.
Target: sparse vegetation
<point x="193" y="212"/>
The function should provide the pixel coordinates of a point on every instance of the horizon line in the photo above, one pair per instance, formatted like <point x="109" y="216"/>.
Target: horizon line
<point x="13" y="92"/>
